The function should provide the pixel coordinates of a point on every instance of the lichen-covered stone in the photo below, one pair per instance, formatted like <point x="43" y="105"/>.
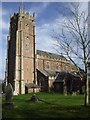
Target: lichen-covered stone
<point x="9" y="93"/>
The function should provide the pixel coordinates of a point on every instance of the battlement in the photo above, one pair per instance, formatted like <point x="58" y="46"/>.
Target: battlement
<point x="22" y="14"/>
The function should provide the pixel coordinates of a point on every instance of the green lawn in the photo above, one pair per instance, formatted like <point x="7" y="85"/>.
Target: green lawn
<point x="55" y="106"/>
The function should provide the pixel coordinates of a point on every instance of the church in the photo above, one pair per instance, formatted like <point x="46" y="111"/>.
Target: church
<point x="26" y="66"/>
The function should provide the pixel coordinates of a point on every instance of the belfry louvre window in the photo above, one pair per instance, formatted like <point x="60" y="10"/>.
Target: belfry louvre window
<point x="27" y="27"/>
<point x="57" y="66"/>
<point x="47" y="65"/>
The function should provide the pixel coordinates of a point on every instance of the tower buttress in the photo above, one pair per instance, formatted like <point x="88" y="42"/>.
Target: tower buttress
<point x="21" y="51"/>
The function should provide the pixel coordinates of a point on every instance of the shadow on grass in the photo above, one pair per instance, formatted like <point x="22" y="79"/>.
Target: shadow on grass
<point x="49" y="107"/>
<point x="44" y="110"/>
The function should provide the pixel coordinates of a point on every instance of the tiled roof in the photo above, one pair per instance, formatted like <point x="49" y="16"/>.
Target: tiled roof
<point x="60" y="76"/>
<point x="64" y="75"/>
<point x="50" y="55"/>
<point x="48" y="73"/>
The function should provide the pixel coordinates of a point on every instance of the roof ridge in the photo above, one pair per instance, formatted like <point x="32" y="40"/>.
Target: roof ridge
<point x="50" y="54"/>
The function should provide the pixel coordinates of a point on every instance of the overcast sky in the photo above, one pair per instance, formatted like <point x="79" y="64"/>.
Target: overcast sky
<point x="46" y="20"/>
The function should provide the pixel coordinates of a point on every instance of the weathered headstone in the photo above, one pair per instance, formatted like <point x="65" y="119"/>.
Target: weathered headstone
<point x="9" y="93"/>
<point x="34" y="98"/>
<point x="64" y="88"/>
<point x="74" y="93"/>
<point x="9" y="96"/>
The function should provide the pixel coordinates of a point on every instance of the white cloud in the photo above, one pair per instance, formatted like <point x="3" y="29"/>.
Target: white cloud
<point x="83" y="6"/>
<point x="4" y="25"/>
<point x="44" y="39"/>
<point x="39" y="9"/>
<point x="44" y="32"/>
<point x="4" y="12"/>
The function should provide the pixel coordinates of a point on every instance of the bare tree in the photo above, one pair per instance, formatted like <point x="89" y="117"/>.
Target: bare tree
<point x="73" y="40"/>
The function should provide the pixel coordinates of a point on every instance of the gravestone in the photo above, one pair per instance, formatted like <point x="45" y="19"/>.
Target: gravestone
<point x="34" y="98"/>
<point x="9" y="93"/>
<point x="9" y="96"/>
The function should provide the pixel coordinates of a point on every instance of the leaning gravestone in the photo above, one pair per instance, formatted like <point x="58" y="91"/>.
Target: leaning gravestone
<point x="9" y="96"/>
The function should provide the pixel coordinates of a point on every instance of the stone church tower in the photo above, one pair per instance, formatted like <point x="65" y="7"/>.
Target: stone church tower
<point x="21" y="51"/>
<point x="21" y="68"/>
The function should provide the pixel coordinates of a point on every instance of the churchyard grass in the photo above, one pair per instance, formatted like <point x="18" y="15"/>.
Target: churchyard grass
<point x="53" y="105"/>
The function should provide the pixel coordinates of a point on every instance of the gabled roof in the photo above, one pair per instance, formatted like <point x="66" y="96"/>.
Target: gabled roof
<point x="65" y="75"/>
<point x="60" y="76"/>
<point x="48" y="73"/>
<point x="51" y="55"/>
